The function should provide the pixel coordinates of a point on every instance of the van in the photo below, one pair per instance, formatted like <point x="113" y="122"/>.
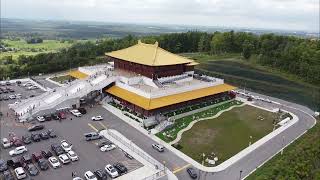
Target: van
<point x="92" y="136"/>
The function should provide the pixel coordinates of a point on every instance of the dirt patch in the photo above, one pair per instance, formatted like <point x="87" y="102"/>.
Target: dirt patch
<point x="202" y="137"/>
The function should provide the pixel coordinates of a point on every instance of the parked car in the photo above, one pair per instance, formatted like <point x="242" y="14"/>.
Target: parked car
<point x="92" y="136"/>
<point x="51" y="133"/>
<point x="18" y="150"/>
<point x="47" y="117"/>
<point x="192" y="173"/>
<point x="76" y="113"/>
<point x="101" y="174"/>
<point x="66" y="146"/>
<point x="72" y="155"/>
<point x="12" y="96"/>
<point x="32" y="169"/>
<point x="57" y="149"/>
<point x="103" y="142"/>
<point x="44" y="135"/>
<point x="82" y="110"/>
<point x="43" y="164"/>
<point x="158" y="147"/>
<point x="6" y="143"/>
<point x="54" y="162"/>
<point x="120" y="168"/>
<point x="55" y="116"/>
<point x="26" y="159"/>
<point x="7" y="175"/>
<point x="62" y="115"/>
<point x="46" y="154"/>
<point x="97" y="118"/>
<point x="36" y="127"/>
<point x="35" y="137"/>
<point x="90" y="176"/>
<point x="3" y="165"/>
<point x="64" y="159"/>
<point x="26" y="139"/>
<point x="41" y="119"/>
<point x="107" y="147"/>
<point x="37" y="156"/>
<point x="20" y="174"/>
<point x="111" y="171"/>
<point x="14" y="162"/>
<point x="17" y="142"/>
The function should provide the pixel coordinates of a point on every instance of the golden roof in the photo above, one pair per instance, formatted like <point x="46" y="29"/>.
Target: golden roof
<point x="149" y="104"/>
<point x="78" y="74"/>
<point x="149" y="54"/>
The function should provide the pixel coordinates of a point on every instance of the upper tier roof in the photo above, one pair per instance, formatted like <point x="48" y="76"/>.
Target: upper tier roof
<point x="149" y="54"/>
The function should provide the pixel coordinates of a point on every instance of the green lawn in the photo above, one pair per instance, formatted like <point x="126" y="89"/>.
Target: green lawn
<point x="185" y="121"/>
<point x="61" y="79"/>
<point x="32" y="49"/>
<point x="227" y="134"/>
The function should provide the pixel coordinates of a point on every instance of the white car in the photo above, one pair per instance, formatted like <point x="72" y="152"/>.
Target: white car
<point x="90" y="176"/>
<point x="54" y="162"/>
<point x="64" y="159"/>
<point x="6" y="143"/>
<point x="18" y="150"/>
<point x="18" y="95"/>
<point x="77" y="178"/>
<point x="107" y="147"/>
<point x="97" y="118"/>
<point x="41" y="118"/>
<point x="66" y="146"/>
<point x="20" y="174"/>
<point x="111" y="171"/>
<point x="12" y="96"/>
<point x="76" y="113"/>
<point x="73" y="156"/>
<point x="158" y="147"/>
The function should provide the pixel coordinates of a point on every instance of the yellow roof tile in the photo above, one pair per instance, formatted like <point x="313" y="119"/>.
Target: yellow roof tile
<point x="149" y="54"/>
<point x="155" y="103"/>
<point x="78" y="74"/>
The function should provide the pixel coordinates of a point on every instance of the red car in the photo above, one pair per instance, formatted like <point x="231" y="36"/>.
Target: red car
<point x="36" y="156"/>
<point x="17" y="142"/>
<point x="62" y="115"/>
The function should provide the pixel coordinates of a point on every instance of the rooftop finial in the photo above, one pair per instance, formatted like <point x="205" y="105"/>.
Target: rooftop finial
<point x="156" y="43"/>
<point x="139" y="41"/>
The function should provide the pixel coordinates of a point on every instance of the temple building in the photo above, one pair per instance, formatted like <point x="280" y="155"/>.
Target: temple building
<point x="154" y="81"/>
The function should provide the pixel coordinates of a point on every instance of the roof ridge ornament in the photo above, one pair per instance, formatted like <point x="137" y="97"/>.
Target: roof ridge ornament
<point x="156" y="44"/>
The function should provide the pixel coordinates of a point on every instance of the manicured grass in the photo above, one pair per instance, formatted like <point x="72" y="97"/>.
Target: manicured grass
<point x="23" y="48"/>
<point x="227" y="134"/>
<point x="301" y="160"/>
<point x="61" y="79"/>
<point x="185" y="121"/>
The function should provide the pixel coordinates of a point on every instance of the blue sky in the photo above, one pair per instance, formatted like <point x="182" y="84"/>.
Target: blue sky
<point x="269" y="14"/>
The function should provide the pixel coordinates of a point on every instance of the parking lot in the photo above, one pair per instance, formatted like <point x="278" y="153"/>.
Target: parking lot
<point x="90" y="156"/>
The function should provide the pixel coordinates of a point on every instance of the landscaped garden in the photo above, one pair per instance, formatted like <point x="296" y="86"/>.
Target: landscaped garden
<point x="62" y="79"/>
<point x="227" y="134"/>
<point x="170" y="134"/>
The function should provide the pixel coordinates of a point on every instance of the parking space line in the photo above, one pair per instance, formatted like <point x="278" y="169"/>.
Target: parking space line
<point x="94" y="128"/>
<point x="104" y="126"/>
<point x="176" y="170"/>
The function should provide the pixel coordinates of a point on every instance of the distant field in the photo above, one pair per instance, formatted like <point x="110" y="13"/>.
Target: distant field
<point x="23" y="48"/>
<point x="259" y="79"/>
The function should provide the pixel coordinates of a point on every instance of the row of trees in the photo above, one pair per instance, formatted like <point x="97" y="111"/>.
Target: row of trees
<point x="290" y="54"/>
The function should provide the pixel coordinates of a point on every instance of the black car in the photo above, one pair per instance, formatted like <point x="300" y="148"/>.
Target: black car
<point x="35" y="137"/>
<point x="192" y="173"/>
<point x="7" y="175"/>
<point x="14" y="162"/>
<point x="32" y="169"/>
<point x="103" y="142"/>
<point x="47" y="117"/>
<point x="51" y="133"/>
<point x="3" y="165"/>
<point x="43" y="164"/>
<point x="44" y="135"/>
<point x="18" y="82"/>
<point x="101" y="174"/>
<point x="36" y="127"/>
<point x="57" y="149"/>
<point x="26" y="139"/>
<point x="46" y="154"/>
<point x="55" y="116"/>
<point x="82" y="110"/>
<point x="120" y="168"/>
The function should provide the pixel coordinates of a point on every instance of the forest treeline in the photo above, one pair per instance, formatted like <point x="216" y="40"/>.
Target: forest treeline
<point x="287" y="53"/>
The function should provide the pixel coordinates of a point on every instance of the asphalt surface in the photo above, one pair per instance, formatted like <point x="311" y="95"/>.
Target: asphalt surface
<point x="91" y="158"/>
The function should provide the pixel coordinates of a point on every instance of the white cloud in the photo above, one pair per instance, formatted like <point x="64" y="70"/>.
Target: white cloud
<point x="281" y="14"/>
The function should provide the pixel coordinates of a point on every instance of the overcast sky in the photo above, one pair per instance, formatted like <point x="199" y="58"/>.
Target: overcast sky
<point x="270" y="14"/>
